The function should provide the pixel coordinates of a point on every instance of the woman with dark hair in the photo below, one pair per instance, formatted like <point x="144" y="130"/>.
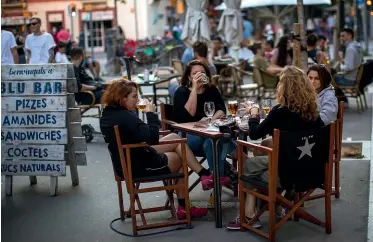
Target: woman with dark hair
<point x="121" y="99"/>
<point x="189" y="101"/>
<point x="321" y="80"/>
<point x="281" y="55"/>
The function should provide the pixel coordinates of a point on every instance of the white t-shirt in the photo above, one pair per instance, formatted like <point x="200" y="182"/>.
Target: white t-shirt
<point x="7" y="42"/>
<point x="61" y="58"/>
<point x="39" y="47"/>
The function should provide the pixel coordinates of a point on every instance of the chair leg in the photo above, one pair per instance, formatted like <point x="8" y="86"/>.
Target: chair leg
<point x="361" y="103"/>
<point x="296" y="199"/>
<point x="194" y="184"/>
<point x="358" y="105"/>
<point x="133" y="212"/>
<point x="142" y="215"/>
<point x="328" y="215"/>
<point x="365" y="100"/>
<point x="120" y="196"/>
<point x="271" y="221"/>
<point x="242" y="208"/>
<point x="337" y="179"/>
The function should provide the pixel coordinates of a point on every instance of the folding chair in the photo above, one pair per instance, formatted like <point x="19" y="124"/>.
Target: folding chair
<point x="337" y="154"/>
<point x="354" y="90"/>
<point x="303" y="161"/>
<point x="133" y="187"/>
<point x="167" y="114"/>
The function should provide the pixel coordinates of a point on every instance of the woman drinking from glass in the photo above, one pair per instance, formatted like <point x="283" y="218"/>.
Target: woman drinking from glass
<point x="321" y="79"/>
<point x="195" y="100"/>
<point x="121" y="99"/>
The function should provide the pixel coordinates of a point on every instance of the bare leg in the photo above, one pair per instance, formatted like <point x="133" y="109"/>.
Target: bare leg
<point x="191" y="159"/>
<point x="174" y="163"/>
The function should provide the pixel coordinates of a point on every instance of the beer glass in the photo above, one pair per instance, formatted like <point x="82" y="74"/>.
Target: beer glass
<point x="141" y="105"/>
<point x="233" y="107"/>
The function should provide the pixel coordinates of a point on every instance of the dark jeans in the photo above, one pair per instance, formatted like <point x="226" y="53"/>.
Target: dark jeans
<point x="341" y="81"/>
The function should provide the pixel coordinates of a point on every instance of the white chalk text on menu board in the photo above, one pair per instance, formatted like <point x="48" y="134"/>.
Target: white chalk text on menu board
<point x="33" y="120"/>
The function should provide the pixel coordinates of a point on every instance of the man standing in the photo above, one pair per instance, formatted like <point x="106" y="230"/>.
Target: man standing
<point x="9" y="54"/>
<point x="39" y="46"/>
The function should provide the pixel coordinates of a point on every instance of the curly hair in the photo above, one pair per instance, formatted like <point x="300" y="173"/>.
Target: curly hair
<point x="116" y="91"/>
<point x="184" y="81"/>
<point x="296" y="93"/>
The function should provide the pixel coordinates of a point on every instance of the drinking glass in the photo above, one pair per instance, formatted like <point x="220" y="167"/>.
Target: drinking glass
<point x="141" y="105"/>
<point x="266" y="106"/>
<point x="233" y="107"/>
<point x="209" y="110"/>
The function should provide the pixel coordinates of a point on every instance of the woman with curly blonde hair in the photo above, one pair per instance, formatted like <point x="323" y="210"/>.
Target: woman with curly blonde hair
<point x="296" y="109"/>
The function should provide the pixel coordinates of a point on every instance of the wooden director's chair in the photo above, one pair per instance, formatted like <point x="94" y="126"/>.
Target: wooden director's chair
<point x="337" y="155"/>
<point x="134" y="190"/>
<point x="299" y="170"/>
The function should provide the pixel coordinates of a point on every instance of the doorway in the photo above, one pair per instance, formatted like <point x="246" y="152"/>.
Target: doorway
<point x="99" y="34"/>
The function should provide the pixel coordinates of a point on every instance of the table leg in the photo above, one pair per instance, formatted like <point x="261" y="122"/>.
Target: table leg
<point x="218" y="212"/>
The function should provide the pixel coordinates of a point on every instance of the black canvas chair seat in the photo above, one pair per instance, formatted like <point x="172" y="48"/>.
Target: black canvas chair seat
<point x="254" y="181"/>
<point x="158" y="178"/>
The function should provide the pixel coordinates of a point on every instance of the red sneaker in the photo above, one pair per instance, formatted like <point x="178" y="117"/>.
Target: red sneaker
<point x="208" y="181"/>
<point x="195" y="212"/>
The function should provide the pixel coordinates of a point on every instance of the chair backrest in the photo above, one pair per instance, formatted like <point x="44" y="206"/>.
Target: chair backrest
<point x="122" y="158"/>
<point x="177" y="65"/>
<point x="338" y="132"/>
<point x="257" y="76"/>
<point x="167" y="115"/>
<point x="359" y="73"/>
<point x="215" y="80"/>
<point x="303" y="155"/>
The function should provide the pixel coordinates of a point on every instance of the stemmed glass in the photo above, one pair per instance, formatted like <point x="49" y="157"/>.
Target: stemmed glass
<point x="209" y="110"/>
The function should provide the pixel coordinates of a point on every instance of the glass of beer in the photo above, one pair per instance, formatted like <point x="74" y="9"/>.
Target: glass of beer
<point x="141" y="105"/>
<point x="266" y="106"/>
<point x="233" y="107"/>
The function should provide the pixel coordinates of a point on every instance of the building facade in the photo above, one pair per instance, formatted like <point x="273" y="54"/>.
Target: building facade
<point x="138" y="18"/>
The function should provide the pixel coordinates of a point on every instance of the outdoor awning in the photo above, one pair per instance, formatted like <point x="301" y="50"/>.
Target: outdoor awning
<point x="262" y="3"/>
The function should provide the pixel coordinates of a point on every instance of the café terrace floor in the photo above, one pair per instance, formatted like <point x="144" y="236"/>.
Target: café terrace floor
<point x="83" y="213"/>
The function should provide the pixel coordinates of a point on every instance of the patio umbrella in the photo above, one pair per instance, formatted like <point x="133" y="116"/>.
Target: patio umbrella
<point x="230" y="24"/>
<point x="196" y="22"/>
<point x="261" y="3"/>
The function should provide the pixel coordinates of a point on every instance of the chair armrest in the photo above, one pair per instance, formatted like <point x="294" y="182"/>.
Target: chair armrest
<point x="92" y="95"/>
<point x="168" y="121"/>
<point x="135" y="145"/>
<point x="255" y="146"/>
<point x="164" y="132"/>
<point x="173" y="141"/>
<point x="246" y="73"/>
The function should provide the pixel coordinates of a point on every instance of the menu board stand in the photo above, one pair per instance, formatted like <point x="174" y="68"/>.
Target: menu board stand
<point x="41" y="128"/>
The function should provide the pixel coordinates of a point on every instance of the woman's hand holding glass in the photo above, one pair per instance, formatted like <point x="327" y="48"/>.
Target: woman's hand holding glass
<point x="251" y="107"/>
<point x="198" y="79"/>
<point x="149" y="106"/>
